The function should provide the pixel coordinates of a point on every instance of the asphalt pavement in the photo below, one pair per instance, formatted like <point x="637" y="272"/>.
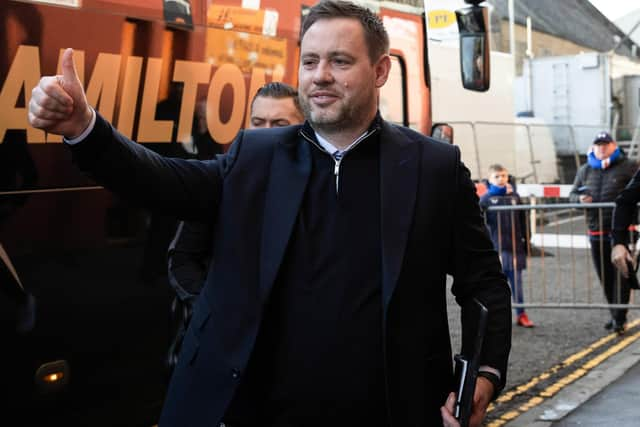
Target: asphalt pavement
<point x="608" y="395"/>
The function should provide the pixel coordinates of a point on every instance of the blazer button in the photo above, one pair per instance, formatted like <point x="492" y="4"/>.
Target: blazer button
<point x="235" y="374"/>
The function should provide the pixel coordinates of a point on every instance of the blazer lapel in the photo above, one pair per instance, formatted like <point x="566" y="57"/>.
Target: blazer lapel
<point x="290" y="170"/>
<point x="399" y="158"/>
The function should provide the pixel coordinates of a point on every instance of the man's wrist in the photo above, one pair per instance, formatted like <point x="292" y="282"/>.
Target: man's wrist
<point x="619" y="237"/>
<point x="493" y="379"/>
<point x="86" y="131"/>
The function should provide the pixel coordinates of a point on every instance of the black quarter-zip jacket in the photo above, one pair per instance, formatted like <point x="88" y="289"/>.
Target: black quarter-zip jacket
<point x="318" y="358"/>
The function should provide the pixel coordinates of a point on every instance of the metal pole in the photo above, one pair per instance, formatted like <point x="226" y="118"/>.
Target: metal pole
<point x="532" y="155"/>
<point x="477" y="150"/>
<point x="529" y="54"/>
<point x="512" y="34"/>
<point x="576" y="155"/>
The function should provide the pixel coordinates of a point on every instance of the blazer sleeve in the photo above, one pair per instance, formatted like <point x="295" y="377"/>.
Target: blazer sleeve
<point x="625" y="211"/>
<point x="187" y="189"/>
<point x="477" y="272"/>
<point x="578" y="181"/>
<point x="189" y="256"/>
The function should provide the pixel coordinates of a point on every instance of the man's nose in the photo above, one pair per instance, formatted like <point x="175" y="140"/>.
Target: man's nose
<point x="322" y="73"/>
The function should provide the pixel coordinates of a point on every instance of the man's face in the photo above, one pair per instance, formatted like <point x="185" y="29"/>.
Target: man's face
<point x="268" y="112"/>
<point x="499" y="178"/>
<point x="604" y="150"/>
<point x="337" y="81"/>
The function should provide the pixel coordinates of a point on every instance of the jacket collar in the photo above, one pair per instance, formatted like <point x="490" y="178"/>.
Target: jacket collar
<point x="289" y="175"/>
<point x="310" y="134"/>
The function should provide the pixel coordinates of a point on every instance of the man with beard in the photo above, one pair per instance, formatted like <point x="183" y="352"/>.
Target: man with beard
<point x="325" y="303"/>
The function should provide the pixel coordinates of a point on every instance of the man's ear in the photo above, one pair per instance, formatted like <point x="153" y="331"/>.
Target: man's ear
<point x="382" y="68"/>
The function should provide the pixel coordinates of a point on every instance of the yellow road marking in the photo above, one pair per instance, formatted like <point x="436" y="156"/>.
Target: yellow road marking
<point x="554" y="369"/>
<point x="563" y="382"/>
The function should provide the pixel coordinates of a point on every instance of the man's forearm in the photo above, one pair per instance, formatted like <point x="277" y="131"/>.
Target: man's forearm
<point x="178" y="187"/>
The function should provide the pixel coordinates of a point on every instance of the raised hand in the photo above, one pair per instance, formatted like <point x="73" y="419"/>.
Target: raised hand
<point x="585" y="198"/>
<point x="58" y="104"/>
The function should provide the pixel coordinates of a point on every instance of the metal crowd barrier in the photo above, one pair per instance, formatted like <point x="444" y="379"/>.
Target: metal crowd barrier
<point x="559" y="270"/>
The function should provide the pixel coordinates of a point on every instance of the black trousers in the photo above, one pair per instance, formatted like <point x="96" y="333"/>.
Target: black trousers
<point x="616" y="291"/>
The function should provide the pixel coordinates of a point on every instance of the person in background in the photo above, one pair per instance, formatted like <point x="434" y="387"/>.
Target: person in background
<point x="325" y="303"/>
<point x="274" y="105"/>
<point x="443" y="131"/>
<point x="601" y="179"/>
<point x="508" y="233"/>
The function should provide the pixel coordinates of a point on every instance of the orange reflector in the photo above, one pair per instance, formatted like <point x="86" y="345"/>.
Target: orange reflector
<point x="53" y="377"/>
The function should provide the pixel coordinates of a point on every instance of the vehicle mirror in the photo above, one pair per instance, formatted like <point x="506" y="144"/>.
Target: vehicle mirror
<point x="442" y="131"/>
<point x="474" y="47"/>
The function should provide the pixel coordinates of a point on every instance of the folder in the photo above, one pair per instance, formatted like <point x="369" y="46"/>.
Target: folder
<point x="474" y="325"/>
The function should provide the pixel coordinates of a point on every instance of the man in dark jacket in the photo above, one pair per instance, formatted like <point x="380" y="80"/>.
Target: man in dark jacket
<point x="326" y="301"/>
<point x="601" y="179"/>
<point x="625" y="215"/>
<point x="274" y="105"/>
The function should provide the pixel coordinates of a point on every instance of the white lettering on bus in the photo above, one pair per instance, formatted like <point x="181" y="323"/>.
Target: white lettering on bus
<point x="102" y="93"/>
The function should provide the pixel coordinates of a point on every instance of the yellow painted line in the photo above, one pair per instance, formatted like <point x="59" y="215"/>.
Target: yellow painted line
<point x="506" y="397"/>
<point x="565" y="381"/>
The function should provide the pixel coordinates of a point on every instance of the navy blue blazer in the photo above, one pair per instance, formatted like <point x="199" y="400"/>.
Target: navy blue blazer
<point x="431" y="227"/>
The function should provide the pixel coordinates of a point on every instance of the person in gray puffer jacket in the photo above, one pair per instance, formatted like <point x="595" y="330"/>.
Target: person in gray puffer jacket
<point x="600" y="180"/>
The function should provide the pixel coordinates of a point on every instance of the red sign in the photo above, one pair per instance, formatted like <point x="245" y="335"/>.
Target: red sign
<point x="549" y="191"/>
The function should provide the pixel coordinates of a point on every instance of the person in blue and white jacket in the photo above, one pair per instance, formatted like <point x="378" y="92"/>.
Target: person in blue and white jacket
<point x="601" y="179"/>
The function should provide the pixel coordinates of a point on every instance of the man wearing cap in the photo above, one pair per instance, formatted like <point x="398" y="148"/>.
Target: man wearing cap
<point x="600" y="180"/>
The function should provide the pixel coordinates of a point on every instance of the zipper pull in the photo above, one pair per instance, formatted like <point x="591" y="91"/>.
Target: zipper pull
<point x="336" y="172"/>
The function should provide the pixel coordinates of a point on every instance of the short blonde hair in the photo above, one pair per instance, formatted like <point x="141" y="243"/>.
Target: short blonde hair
<point x="496" y="167"/>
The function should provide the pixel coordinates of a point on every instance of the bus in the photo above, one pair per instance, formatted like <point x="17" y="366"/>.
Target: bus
<point x="86" y="312"/>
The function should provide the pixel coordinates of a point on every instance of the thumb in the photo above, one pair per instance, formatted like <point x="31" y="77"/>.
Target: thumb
<point x="450" y="403"/>
<point x="70" y="83"/>
<point x="69" y="78"/>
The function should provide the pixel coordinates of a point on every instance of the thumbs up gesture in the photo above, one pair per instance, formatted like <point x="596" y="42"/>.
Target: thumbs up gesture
<point x="58" y="104"/>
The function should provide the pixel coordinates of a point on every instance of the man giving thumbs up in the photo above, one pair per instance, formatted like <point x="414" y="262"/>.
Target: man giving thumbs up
<point x="59" y="105"/>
